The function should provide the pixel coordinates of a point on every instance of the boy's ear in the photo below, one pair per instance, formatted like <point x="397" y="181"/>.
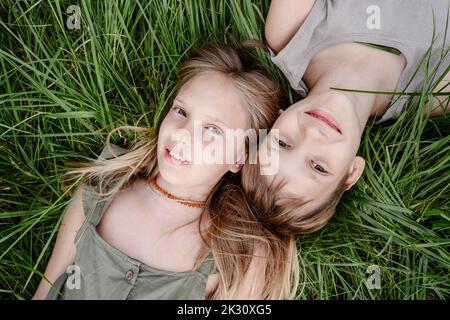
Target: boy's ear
<point x="355" y="172"/>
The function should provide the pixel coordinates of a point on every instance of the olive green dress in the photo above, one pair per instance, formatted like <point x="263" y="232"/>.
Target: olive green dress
<point x="101" y="271"/>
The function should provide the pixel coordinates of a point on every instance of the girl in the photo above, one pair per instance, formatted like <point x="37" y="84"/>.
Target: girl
<point x="155" y="223"/>
<point x="383" y="46"/>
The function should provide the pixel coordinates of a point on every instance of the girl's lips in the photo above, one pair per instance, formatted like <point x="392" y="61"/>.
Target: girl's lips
<point x="325" y="117"/>
<point x="174" y="161"/>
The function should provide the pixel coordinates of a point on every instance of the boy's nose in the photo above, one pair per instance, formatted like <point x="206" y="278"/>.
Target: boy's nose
<point x="310" y="130"/>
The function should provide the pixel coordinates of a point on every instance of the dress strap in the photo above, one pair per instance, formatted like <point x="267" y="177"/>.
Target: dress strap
<point x="93" y="209"/>
<point x="98" y="204"/>
<point x="208" y="266"/>
<point x="94" y="204"/>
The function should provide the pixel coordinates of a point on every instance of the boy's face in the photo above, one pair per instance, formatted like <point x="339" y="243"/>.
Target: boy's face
<point x="204" y="109"/>
<point x="317" y="141"/>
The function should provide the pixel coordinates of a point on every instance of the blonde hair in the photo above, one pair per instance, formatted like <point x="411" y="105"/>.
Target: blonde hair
<point x="234" y="232"/>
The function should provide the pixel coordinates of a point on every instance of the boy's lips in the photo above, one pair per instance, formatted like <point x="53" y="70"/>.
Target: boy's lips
<point x="326" y="118"/>
<point x="174" y="158"/>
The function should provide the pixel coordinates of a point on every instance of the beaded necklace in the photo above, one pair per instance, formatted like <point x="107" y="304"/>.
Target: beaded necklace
<point x="153" y="185"/>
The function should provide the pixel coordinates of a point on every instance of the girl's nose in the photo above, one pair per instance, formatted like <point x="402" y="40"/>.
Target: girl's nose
<point x="182" y="135"/>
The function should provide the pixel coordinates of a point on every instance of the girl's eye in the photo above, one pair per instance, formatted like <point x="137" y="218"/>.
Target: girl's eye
<point x="318" y="168"/>
<point x="180" y="111"/>
<point x="214" y="130"/>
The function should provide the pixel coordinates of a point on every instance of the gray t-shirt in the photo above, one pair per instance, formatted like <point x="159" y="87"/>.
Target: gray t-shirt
<point x="406" y="25"/>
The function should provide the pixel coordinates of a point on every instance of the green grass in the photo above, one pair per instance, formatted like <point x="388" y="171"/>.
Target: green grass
<point x="62" y="91"/>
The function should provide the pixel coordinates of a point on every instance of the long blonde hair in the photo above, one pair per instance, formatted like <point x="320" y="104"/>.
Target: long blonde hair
<point x="234" y="232"/>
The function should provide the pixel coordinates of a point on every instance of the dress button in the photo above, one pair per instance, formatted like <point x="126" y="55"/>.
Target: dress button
<point x="129" y="275"/>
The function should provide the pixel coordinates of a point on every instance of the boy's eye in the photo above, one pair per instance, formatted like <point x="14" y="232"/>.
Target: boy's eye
<point x="280" y="143"/>
<point x="318" y="168"/>
<point x="213" y="130"/>
<point x="180" y="111"/>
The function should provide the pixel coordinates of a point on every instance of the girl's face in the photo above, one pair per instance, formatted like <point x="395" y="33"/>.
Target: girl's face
<point x="192" y="142"/>
<point x="317" y="141"/>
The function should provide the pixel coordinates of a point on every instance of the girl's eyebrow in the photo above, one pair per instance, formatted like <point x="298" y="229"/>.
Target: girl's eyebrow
<point x="207" y="115"/>
<point x="217" y="120"/>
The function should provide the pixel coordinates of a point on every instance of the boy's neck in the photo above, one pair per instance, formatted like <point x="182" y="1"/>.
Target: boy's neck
<point x="361" y="71"/>
<point x="356" y="67"/>
<point x="362" y="104"/>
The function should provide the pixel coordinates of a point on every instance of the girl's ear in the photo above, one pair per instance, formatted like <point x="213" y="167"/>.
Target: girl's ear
<point x="235" y="168"/>
<point x="355" y="172"/>
<point x="281" y="111"/>
<point x="239" y="163"/>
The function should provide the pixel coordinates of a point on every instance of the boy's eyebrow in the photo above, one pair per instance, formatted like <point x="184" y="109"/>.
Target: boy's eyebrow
<point x="209" y="116"/>
<point x="320" y="180"/>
